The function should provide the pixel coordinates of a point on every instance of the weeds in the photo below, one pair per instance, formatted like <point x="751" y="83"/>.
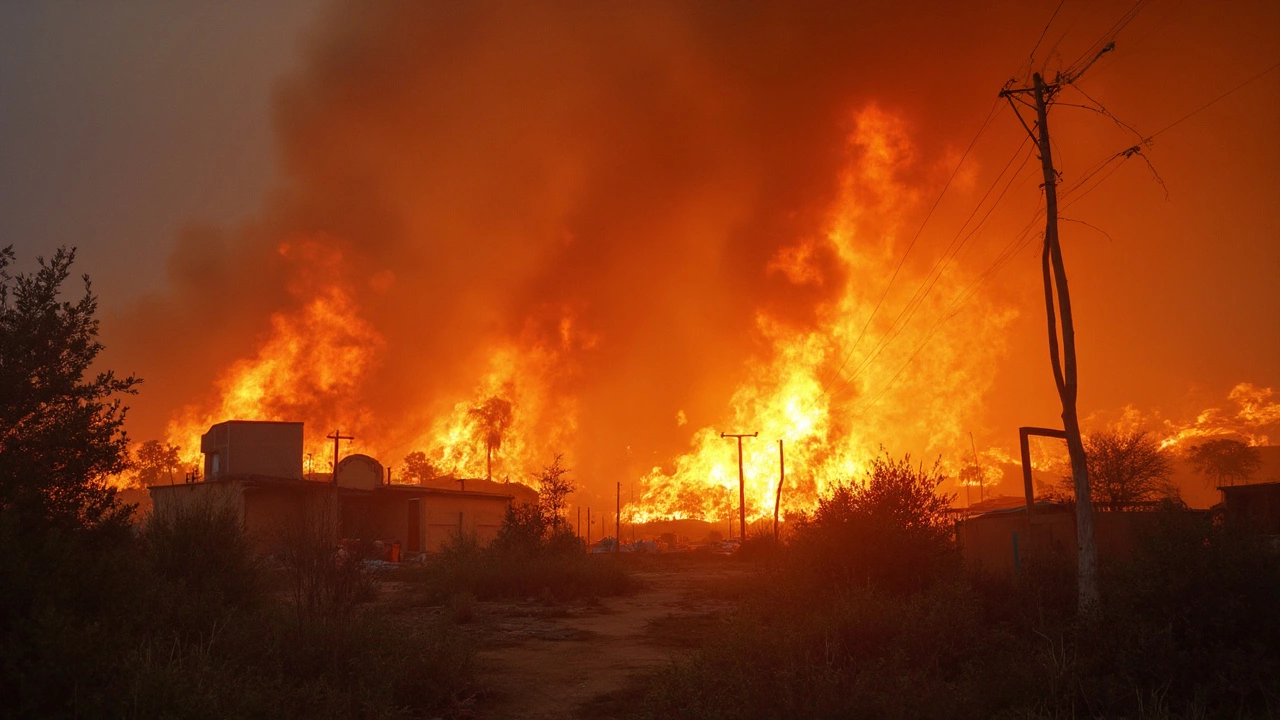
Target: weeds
<point x="179" y="622"/>
<point x="531" y="557"/>
<point x="1187" y="629"/>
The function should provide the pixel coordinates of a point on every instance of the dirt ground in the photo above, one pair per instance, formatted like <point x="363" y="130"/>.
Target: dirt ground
<point x="538" y="658"/>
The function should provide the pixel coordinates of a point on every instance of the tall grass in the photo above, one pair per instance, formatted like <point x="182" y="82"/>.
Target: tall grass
<point x="180" y="621"/>
<point x="532" y="556"/>
<point x="325" y="580"/>
<point x="1187" y="628"/>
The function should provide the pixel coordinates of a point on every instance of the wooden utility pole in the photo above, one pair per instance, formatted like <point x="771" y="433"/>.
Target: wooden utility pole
<point x="742" y="487"/>
<point x="335" y="436"/>
<point x="978" y="465"/>
<point x="1063" y="361"/>
<point x="617" y="530"/>
<point x="777" y="500"/>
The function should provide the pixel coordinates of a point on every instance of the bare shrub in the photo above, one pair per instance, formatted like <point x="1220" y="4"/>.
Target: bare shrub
<point x="1127" y="469"/>
<point x="325" y="579"/>
<point x="891" y="529"/>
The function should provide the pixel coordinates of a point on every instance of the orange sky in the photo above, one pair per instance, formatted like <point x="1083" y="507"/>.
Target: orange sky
<point x="600" y="192"/>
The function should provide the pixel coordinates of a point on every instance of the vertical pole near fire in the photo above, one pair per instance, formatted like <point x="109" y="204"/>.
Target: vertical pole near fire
<point x="1054" y="272"/>
<point x="742" y="487"/>
<point x="977" y="464"/>
<point x="335" y="436"/>
<point x="588" y="529"/>
<point x="777" y="500"/>
<point x="617" y="531"/>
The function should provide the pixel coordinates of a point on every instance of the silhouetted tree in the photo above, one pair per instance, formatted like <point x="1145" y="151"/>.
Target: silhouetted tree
<point x="1126" y="468"/>
<point x="891" y="529"/>
<point x="419" y="468"/>
<point x="493" y="417"/>
<point x="554" y="489"/>
<point x="1225" y="460"/>
<point x="156" y="462"/>
<point x="60" y="433"/>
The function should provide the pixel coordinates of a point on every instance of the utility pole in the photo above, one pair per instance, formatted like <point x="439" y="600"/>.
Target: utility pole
<point x="335" y="436"/>
<point x="588" y="529"/>
<point x="742" y="487"/>
<point x="981" y="475"/>
<point x="1064" y="364"/>
<point x="782" y="475"/>
<point x="617" y="531"/>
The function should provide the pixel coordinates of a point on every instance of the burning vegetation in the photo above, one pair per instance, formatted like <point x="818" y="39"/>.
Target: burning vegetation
<point x="676" y="265"/>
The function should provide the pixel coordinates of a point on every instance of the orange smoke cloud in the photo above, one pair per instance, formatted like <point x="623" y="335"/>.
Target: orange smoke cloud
<point x="613" y="217"/>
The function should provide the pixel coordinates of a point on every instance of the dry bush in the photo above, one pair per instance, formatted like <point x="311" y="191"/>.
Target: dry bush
<point x="324" y="579"/>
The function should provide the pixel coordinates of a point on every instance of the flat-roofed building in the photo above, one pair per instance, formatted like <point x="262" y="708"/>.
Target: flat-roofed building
<point x="256" y="468"/>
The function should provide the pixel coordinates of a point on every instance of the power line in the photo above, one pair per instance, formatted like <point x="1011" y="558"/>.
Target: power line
<point x="935" y="274"/>
<point x="1101" y="46"/>
<point x="983" y="128"/>
<point x="1031" y="58"/>
<point x="930" y="281"/>
<point x="1205" y="106"/>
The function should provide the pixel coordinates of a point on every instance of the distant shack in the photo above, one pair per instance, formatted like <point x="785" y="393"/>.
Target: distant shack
<point x="256" y="467"/>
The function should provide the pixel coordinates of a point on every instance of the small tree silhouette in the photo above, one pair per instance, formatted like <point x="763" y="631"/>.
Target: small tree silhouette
<point x="156" y="461"/>
<point x="419" y="468"/>
<point x="493" y="417"/>
<point x="554" y="489"/>
<point x="1225" y="459"/>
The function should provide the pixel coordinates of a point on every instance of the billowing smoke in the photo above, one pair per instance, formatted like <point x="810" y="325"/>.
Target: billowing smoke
<point x="602" y="213"/>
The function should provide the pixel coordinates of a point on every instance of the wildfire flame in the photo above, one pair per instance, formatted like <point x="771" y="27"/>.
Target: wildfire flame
<point x="310" y="364"/>
<point x="855" y="374"/>
<point x="832" y="392"/>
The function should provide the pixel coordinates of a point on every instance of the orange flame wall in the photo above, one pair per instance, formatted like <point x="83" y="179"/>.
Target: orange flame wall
<point x="647" y="224"/>
<point x="835" y="391"/>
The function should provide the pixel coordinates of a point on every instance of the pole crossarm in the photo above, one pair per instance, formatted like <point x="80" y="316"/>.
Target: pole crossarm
<point x="335" y="436"/>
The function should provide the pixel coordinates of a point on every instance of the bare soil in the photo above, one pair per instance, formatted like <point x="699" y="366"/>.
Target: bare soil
<point x="539" y="658"/>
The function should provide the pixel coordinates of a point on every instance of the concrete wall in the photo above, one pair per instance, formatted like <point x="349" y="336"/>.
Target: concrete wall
<point x="275" y="515"/>
<point x="242" y="447"/>
<point x="167" y="500"/>
<point x="274" y="511"/>
<point x="271" y="512"/>
<point x="1001" y="542"/>
<point x="443" y="514"/>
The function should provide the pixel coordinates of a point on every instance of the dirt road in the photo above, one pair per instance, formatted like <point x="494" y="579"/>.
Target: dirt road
<point x="545" y="660"/>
